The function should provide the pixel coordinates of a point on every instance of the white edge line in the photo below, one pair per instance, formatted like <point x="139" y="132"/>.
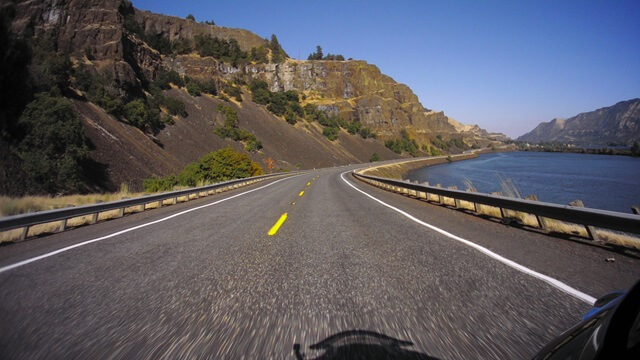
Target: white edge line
<point x="44" y="256"/>
<point x="553" y="282"/>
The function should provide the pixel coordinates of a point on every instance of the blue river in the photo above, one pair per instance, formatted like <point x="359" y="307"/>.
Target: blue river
<point x="600" y="181"/>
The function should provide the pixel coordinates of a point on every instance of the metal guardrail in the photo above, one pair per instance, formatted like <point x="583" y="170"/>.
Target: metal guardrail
<point x="584" y="216"/>
<point x="41" y="217"/>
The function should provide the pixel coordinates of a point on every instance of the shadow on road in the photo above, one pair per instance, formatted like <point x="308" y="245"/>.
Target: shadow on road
<point x="362" y="344"/>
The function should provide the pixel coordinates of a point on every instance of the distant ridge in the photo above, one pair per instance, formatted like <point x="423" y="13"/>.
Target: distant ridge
<point x="617" y="124"/>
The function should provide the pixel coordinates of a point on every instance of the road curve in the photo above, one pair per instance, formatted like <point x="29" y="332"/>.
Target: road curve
<point x="240" y="279"/>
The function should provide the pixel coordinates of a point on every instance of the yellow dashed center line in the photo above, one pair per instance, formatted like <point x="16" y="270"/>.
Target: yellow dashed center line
<point x="301" y="193"/>
<point x="309" y="183"/>
<point x="277" y="225"/>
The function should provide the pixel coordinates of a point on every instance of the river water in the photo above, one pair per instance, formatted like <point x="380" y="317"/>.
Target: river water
<point x="600" y="181"/>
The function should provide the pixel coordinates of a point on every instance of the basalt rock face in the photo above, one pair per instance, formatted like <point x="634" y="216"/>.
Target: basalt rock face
<point x="175" y="28"/>
<point x="352" y="89"/>
<point x="92" y="28"/>
<point x="619" y="124"/>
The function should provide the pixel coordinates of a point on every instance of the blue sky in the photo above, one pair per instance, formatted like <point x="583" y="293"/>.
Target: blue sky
<point x="505" y="65"/>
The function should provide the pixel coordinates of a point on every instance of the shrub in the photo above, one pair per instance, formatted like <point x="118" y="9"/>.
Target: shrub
<point x="194" y="89"/>
<point x="233" y="91"/>
<point x="165" y="78"/>
<point x="259" y="54"/>
<point x="224" y="164"/>
<point x="366" y="133"/>
<point x="261" y="96"/>
<point x="174" y="106"/>
<point x="375" y="157"/>
<point x="253" y="145"/>
<point x="405" y="143"/>
<point x="278" y="104"/>
<point x="136" y="113"/>
<point x="55" y="147"/>
<point x="290" y="116"/>
<point x="331" y="133"/>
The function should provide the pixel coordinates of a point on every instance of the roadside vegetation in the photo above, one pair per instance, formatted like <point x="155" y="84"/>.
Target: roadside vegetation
<point x="224" y="164"/>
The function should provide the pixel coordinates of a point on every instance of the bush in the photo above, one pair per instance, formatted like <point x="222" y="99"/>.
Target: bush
<point x="261" y="96"/>
<point x="366" y="133"/>
<point x="226" y="50"/>
<point x="290" y="116"/>
<point x="230" y="128"/>
<point x="222" y="165"/>
<point x="233" y="91"/>
<point x="136" y="113"/>
<point x="55" y="147"/>
<point x="259" y="55"/>
<point x="278" y="104"/>
<point x="405" y="143"/>
<point x="331" y="133"/>
<point x="375" y="157"/>
<point x="253" y="145"/>
<point x="165" y="78"/>
<point x="194" y="89"/>
<point x="174" y="106"/>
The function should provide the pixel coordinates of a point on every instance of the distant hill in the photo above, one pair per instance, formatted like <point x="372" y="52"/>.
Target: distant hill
<point x="618" y="124"/>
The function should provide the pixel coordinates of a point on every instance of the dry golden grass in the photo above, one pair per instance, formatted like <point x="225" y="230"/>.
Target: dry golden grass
<point x="12" y="206"/>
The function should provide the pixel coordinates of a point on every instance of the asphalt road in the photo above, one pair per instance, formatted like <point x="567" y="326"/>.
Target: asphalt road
<point x="211" y="282"/>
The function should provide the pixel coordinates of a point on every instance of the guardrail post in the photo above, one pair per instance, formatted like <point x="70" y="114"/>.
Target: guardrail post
<point x="455" y="200"/>
<point x="25" y="232"/>
<point x="542" y="222"/>
<point x="63" y="225"/>
<point x="94" y="218"/>
<point x="121" y="212"/>
<point x="440" y="198"/>
<point x="635" y="210"/>
<point x="590" y="229"/>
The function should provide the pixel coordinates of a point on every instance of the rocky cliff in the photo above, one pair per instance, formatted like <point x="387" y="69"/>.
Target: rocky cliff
<point x="619" y="124"/>
<point x="112" y="41"/>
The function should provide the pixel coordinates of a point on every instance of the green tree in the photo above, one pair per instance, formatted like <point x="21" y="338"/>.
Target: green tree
<point x="136" y="113"/>
<point x="55" y="146"/>
<point x="191" y="17"/>
<point x="194" y="89"/>
<point x="277" y="54"/>
<point x="331" y="133"/>
<point x="259" y="54"/>
<point x="317" y="55"/>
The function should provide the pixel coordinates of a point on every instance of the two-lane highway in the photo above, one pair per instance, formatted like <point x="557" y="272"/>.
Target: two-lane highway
<point x="230" y="276"/>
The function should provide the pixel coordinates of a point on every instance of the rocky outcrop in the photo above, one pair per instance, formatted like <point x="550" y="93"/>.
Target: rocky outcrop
<point x="619" y="124"/>
<point x="90" y="28"/>
<point x="352" y="89"/>
<point x="177" y="28"/>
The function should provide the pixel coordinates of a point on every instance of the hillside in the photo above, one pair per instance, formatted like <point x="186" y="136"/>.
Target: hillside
<point x="617" y="124"/>
<point x="148" y="90"/>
